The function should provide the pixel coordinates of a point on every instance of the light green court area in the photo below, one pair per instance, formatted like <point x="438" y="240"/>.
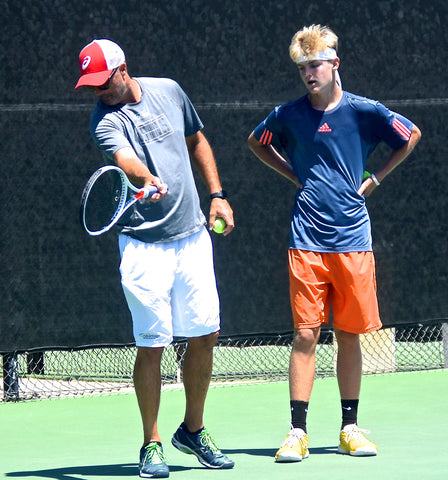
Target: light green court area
<point x="98" y="438"/>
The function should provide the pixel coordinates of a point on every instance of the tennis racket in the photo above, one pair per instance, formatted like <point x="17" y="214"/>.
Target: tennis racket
<point x="106" y="197"/>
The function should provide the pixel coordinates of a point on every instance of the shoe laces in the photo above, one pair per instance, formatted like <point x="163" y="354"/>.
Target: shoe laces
<point x="353" y="431"/>
<point x="154" y="453"/>
<point x="294" y="435"/>
<point x="208" y="442"/>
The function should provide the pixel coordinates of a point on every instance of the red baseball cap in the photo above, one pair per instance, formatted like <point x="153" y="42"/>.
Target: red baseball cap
<point x="97" y="60"/>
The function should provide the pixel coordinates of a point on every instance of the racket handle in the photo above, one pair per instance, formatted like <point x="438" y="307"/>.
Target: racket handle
<point x="149" y="191"/>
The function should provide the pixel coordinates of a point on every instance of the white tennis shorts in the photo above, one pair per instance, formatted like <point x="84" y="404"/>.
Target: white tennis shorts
<point x="170" y="288"/>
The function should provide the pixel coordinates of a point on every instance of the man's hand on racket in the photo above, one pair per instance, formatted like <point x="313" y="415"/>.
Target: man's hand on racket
<point x="138" y="173"/>
<point x="108" y="194"/>
<point x="161" y="187"/>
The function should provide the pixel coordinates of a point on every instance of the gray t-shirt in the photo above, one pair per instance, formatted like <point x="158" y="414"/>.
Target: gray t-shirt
<point x="155" y="128"/>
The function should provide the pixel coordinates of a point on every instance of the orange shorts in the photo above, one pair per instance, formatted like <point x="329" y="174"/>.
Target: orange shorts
<point x="346" y="281"/>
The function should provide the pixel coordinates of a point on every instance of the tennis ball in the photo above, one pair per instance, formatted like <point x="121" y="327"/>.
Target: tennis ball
<point x="366" y="175"/>
<point x="219" y="226"/>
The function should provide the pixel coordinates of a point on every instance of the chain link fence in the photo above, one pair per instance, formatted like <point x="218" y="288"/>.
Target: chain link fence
<point x="100" y="370"/>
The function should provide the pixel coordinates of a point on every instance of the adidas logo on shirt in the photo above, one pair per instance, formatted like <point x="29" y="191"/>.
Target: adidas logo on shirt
<point x="325" y="128"/>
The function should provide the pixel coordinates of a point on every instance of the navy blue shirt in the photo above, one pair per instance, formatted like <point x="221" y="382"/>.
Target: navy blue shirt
<point x="328" y="151"/>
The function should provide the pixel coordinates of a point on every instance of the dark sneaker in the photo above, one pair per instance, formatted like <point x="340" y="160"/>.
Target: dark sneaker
<point x="203" y="446"/>
<point x="153" y="462"/>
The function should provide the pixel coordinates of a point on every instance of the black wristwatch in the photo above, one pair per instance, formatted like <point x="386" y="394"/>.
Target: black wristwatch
<point x="221" y="194"/>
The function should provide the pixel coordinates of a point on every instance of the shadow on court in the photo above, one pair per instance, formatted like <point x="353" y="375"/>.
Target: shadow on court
<point x="67" y="473"/>
<point x="131" y="470"/>
<point x="270" y="452"/>
<point x="73" y="473"/>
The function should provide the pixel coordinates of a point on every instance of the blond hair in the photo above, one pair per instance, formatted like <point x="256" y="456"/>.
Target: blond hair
<point x="309" y="41"/>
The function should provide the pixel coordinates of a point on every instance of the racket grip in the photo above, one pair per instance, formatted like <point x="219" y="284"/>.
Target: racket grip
<point x="149" y="191"/>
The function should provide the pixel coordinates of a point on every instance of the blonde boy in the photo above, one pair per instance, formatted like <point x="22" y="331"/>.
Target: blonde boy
<point x="321" y="142"/>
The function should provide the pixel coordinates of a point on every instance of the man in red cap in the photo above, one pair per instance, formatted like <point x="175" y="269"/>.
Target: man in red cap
<point x="150" y="129"/>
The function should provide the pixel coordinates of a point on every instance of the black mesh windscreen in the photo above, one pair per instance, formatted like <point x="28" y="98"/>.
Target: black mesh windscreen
<point x="61" y="288"/>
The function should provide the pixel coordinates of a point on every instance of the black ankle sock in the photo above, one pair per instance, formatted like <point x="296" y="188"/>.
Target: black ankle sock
<point x="349" y="412"/>
<point x="299" y="411"/>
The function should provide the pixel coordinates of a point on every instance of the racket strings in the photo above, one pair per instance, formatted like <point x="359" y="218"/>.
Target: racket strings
<point x="104" y="200"/>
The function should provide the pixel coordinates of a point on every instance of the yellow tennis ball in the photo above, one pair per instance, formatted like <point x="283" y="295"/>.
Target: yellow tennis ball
<point x="219" y="226"/>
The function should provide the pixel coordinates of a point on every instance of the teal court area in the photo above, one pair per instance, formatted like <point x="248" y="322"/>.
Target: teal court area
<point x="98" y="438"/>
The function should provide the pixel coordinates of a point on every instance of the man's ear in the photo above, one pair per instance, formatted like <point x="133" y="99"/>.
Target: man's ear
<point x="123" y="68"/>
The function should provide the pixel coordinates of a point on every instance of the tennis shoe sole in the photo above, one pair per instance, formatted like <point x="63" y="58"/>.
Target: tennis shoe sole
<point x="287" y="457"/>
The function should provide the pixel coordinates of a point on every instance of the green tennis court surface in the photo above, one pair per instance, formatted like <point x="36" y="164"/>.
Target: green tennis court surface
<point x="99" y="437"/>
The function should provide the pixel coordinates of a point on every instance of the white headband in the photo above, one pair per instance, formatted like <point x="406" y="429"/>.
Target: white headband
<point x="327" y="54"/>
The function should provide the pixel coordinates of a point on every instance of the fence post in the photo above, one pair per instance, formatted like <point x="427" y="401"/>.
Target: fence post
<point x="445" y="344"/>
<point x="10" y="377"/>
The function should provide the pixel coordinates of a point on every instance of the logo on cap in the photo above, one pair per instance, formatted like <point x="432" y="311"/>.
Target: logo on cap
<point x="86" y="62"/>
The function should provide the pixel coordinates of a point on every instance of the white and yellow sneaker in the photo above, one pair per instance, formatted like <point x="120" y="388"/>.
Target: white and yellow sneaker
<point x="353" y="441"/>
<point x="294" y="448"/>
